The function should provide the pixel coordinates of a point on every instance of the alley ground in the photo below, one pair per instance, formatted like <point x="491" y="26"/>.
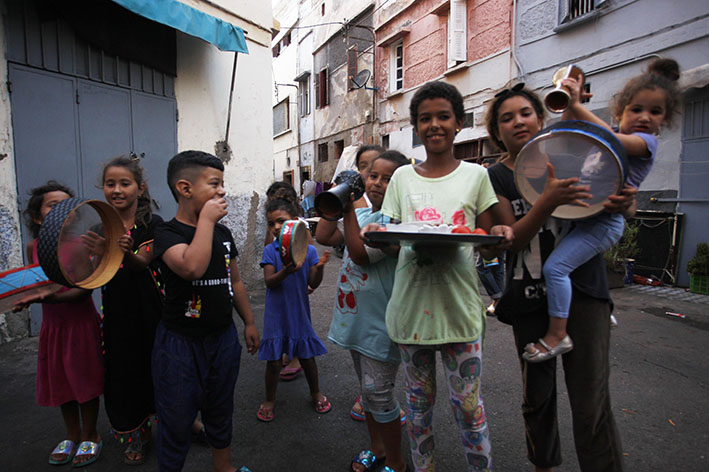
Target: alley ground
<point x="659" y="389"/>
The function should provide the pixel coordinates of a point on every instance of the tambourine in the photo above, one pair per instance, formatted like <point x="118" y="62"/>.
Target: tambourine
<point x="575" y="149"/>
<point x="24" y="283"/>
<point x="293" y="242"/>
<point x="63" y="244"/>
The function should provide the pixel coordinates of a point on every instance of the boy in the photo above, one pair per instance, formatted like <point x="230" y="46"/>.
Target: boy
<point x="197" y="351"/>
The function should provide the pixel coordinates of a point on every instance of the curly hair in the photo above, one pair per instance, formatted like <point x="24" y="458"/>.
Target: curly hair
<point x="34" y="204"/>
<point x="144" y="211"/>
<point x="662" y="74"/>
<point x="437" y="89"/>
<point x="491" y="118"/>
<point x="282" y="204"/>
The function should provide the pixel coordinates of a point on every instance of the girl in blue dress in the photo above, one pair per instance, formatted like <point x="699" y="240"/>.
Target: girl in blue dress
<point x="287" y="327"/>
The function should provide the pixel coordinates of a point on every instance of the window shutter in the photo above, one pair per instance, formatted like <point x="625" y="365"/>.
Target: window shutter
<point x="317" y="90"/>
<point x="563" y="11"/>
<point x="457" y="50"/>
<point x="325" y="88"/>
<point x="351" y="64"/>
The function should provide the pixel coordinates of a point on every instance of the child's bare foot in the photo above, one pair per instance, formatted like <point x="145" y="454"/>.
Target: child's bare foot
<point x="322" y="404"/>
<point x="265" y="412"/>
<point x="89" y="449"/>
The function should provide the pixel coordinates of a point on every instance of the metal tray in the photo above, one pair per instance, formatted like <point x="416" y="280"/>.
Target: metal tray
<point x="432" y="238"/>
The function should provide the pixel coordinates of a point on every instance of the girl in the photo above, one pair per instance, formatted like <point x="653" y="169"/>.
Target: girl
<point x="364" y="287"/>
<point x="435" y="303"/>
<point x="287" y="326"/>
<point x="514" y="116"/>
<point x="363" y="161"/>
<point x="131" y="306"/>
<point x="645" y="104"/>
<point x="69" y="365"/>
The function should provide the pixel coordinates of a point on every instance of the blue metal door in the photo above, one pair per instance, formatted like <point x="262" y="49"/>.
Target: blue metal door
<point x="694" y="173"/>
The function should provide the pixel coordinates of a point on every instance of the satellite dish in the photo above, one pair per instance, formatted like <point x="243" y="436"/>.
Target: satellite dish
<point x="360" y="80"/>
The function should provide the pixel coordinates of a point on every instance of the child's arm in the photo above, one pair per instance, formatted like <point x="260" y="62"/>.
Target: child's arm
<point x="494" y="220"/>
<point x="326" y="233"/>
<point x="388" y="249"/>
<point x="355" y="245"/>
<point x="136" y="260"/>
<point x="273" y="279"/>
<point x="633" y="145"/>
<point x="243" y="308"/>
<point x="190" y="261"/>
<point x="316" y="271"/>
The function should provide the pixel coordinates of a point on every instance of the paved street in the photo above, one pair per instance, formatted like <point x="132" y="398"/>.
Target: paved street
<point x="659" y="385"/>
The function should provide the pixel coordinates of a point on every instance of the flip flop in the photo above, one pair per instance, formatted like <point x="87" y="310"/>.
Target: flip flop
<point x="368" y="460"/>
<point x="322" y="406"/>
<point x="88" y="448"/>
<point x="355" y="415"/>
<point x="289" y="373"/>
<point x="265" y="414"/>
<point x="64" y="447"/>
<point x="532" y="354"/>
<point x="136" y="447"/>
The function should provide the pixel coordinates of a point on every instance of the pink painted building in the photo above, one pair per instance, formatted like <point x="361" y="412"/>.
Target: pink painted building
<point x="463" y="42"/>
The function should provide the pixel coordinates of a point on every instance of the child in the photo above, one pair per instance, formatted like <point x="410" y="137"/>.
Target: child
<point x="69" y="365"/>
<point x="435" y="304"/>
<point x="287" y="326"/>
<point x="196" y="352"/>
<point x="363" y="290"/>
<point x="643" y="106"/>
<point x="363" y="161"/>
<point x="132" y="305"/>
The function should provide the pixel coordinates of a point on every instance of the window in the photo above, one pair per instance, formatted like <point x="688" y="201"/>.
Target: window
<point x="396" y="76"/>
<point x="322" y="98"/>
<point x="339" y="147"/>
<point x="587" y="89"/>
<point x="288" y="177"/>
<point x="570" y="10"/>
<point x="304" y="90"/>
<point x="280" y="118"/>
<point x="351" y="64"/>
<point x="322" y="152"/>
<point x="475" y="151"/>
<point x="385" y="141"/>
<point x="457" y="41"/>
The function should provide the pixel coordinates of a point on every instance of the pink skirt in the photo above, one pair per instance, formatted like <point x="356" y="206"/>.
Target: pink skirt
<point x="69" y="364"/>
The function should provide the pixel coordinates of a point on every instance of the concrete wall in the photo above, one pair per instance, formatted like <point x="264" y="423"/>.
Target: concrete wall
<point x="12" y="325"/>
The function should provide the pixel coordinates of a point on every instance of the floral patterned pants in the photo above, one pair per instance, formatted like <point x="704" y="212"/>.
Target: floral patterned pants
<point x="462" y="363"/>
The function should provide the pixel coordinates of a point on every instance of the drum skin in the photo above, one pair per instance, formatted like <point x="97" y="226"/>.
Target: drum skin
<point x="576" y="149"/>
<point x="293" y="242"/>
<point x="57" y="265"/>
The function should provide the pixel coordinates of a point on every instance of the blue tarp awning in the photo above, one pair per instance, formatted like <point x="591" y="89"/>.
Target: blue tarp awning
<point x="175" y="14"/>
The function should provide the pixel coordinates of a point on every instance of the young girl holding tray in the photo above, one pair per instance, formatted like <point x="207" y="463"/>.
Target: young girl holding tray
<point x="435" y="303"/>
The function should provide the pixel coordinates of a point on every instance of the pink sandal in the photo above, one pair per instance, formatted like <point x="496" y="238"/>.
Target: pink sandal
<point x="322" y="406"/>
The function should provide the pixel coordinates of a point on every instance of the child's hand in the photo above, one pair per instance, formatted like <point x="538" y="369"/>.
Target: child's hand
<point x="214" y="209"/>
<point x="621" y="203"/>
<point x="292" y="268"/>
<point x="252" y="339"/>
<point x="93" y="242"/>
<point x="507" y="233"/>
<point x="125" y="242"/>
<point x="372" y="227"/>
<point x="563" y="191"/>
<point x="324" y="258"/>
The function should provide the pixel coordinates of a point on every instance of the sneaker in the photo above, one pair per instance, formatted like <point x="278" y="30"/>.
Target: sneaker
<point x="614" y="322"/>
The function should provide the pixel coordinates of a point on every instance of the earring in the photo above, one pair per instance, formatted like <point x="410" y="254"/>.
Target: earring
<point x="457" y="130"/>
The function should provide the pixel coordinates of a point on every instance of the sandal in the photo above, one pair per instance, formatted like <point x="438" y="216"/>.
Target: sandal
<point x="357" y="415"/>
<point x="322" y="406"/>
<point x="64" y="447"/>
<point x="290" y="373"/>
<point x="265" y="414"/>
<point x="136" y="447"/>
<point x="367" y="458"/>
<point x="532" y="354"/>
<point x="88" y="448"/>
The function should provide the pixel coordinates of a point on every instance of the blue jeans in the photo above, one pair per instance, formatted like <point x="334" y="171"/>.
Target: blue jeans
<point x="492" y="276"/>
<point x="589" y="237"/>
<point x="193" y="374"/>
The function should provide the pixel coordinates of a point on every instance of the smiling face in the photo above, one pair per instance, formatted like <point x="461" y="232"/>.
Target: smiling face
<point x="645" y="112"/>
<point x="120" y="188"/>
<point x="206" y="185"/>
<point x="376" y="185"/>
<point x="275" y="219"/>
<point x="517" y="123"/>
<point x="436" y="125"/>
<point x="48" y="201"/>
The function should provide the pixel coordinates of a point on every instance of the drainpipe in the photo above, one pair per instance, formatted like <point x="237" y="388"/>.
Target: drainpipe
<point x="520" y="70"/>
<point x="297" y="128"/>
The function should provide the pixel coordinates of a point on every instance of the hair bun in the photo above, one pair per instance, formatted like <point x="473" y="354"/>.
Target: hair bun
<point x="667" y="68"/>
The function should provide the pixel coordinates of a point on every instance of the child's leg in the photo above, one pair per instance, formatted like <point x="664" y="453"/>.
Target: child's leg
<point x="463" y="366"/>
<point x="72" y="421"/>
<point x="222" y="359"/>
<point x="310" y="369"/>
<point x="420" y="373"/>
<point x="178" y="395"/>
<point x="588" y="238"/>
<point x="89" y="416"/>
<point x="273" y="370"/>
<point x="381" y="409"/>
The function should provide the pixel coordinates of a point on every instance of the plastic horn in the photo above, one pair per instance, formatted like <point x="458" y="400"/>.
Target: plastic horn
<point x="559" y="98"/>
<point x="330" y="205"/>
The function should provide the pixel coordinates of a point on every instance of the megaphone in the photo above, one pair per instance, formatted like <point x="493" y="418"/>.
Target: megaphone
<point x="559" y="98"/>
<point x="330" y="205"/>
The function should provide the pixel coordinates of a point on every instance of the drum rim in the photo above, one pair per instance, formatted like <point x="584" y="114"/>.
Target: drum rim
<point x="567" y="127"/>
<point x="24" y="288"/>
<point x="288" y="229"/>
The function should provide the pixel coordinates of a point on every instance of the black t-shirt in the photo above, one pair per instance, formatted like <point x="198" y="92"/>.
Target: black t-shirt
<point x="525" y="290"/>
<point x="197" y="307"/>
